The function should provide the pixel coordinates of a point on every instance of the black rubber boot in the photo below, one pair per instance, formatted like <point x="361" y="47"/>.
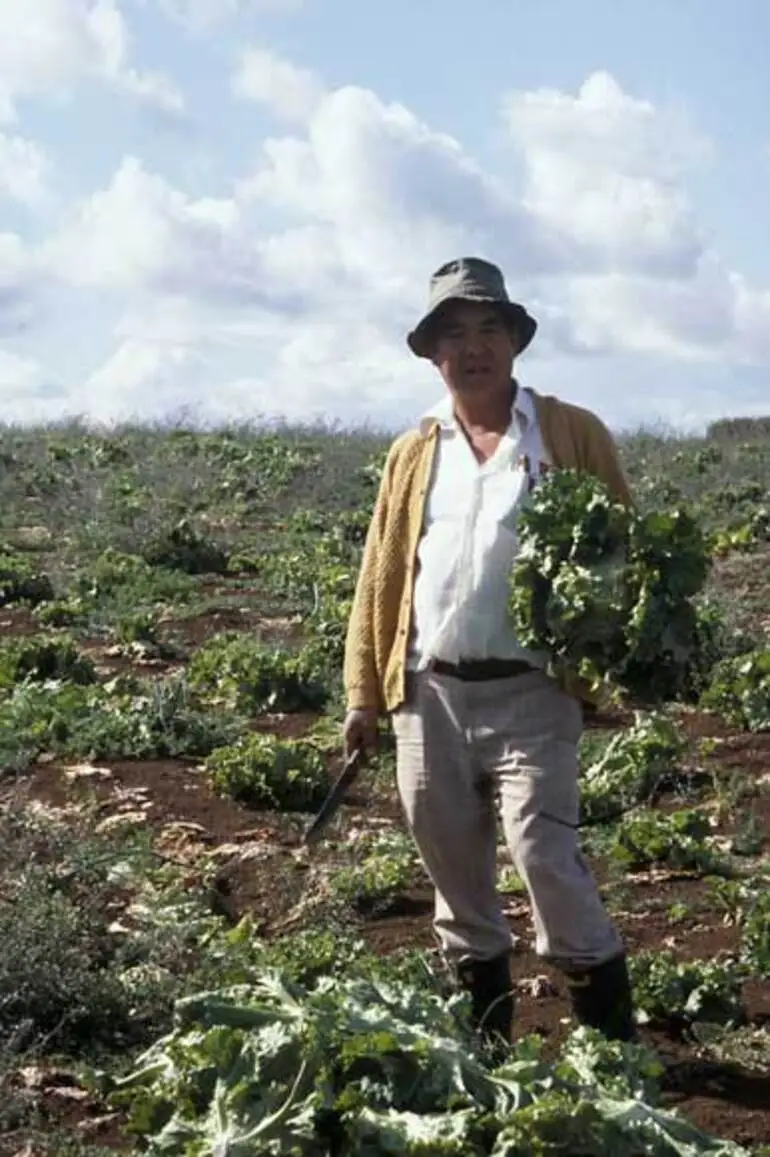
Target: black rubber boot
<point x="602" y="999"/>
<point x="492" y="1005"/>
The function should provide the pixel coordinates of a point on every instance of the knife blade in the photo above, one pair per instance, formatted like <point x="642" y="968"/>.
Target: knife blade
<point x="334" y="799"/>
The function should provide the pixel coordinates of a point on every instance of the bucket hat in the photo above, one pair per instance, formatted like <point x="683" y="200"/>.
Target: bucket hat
<point x="469" y="279"/>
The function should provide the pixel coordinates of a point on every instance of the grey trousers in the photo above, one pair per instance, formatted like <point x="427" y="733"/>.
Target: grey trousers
<point x="462" y="747"/>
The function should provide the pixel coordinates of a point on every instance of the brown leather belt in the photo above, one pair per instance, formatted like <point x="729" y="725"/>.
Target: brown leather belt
<point x="480" y="670"/>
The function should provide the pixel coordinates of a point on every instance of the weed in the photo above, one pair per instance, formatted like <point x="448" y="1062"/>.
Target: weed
<point x="236" y="671"/>
<point x="289" y="775"/>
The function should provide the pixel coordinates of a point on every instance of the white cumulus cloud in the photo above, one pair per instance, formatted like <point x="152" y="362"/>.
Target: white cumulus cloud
<point x="268" y="79"/>
<point x="19" y="284"/>
<point x="49" y="47"/>
<point x="17" y="374"/>
<point x="290" y="292"/>
<point x="24" y="170"/>
<point x="28" y="392"/>
<point x="609" y="170"/>
<point x="141" y="234"/>
<point x="390" y="198"/>
<point x="140" y="377"/>
<point x="604" y="168"/>
<point x="752" y="319"/>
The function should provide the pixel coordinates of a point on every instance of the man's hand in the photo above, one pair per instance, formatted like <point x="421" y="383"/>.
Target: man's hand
<point x="360" y="730"/>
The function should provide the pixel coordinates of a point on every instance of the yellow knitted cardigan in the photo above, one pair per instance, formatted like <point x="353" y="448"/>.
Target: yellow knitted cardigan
<point x="380" y="619"/>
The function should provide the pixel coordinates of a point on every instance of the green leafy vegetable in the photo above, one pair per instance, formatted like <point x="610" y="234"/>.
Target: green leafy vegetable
<point x="637" y="762"/>
<point x="740" y="690"/>
<point x="356" y="1067"/>
<point x="698" y="990"/>
<point x="608" y="592"/>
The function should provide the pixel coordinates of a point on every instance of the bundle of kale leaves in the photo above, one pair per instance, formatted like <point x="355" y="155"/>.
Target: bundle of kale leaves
<point x="608" y="592"/>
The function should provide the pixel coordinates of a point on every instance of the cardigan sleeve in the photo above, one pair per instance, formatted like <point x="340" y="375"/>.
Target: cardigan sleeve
<point x="359" y="666"/>
<point x="601" y="458"/>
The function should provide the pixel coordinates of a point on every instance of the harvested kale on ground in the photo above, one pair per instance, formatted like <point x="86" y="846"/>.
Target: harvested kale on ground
<point x="608" y="591"/>
<point x="360" y="1068"/>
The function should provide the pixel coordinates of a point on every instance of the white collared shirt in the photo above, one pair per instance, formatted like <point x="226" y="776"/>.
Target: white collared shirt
<point x="469" y="541"/>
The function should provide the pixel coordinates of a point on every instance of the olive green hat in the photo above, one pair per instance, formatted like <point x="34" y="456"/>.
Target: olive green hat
<point x="469" y="279"/>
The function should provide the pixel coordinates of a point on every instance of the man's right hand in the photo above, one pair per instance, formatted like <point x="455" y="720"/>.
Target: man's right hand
<point x="360" y="730"/>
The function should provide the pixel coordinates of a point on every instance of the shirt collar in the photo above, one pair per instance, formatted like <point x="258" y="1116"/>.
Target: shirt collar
<point x="443" y="412"/>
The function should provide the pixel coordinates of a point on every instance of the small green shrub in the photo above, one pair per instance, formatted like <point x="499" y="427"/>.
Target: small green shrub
<point x="747" y="904"/>
<point x="127" y="718"/>
<point x="181" y="547"/>
<point x="129" y="581"/>
<point x="384" y="868"/>
<point x="79" y="969"/>
<point x="327" y="625"/>
<point x="20" y="582"/>
<point x="240" y="672"/>
<point x="309" y="953"/>
<point x="137" y="627"/>
<point x="678" y="839"/>
<point x="633" y="765"/>
<point x="285" y="775"/>
<point x="38" y="659"/>
<point x="699" y="990"/>
<point x="59" y="613"/>
<point x="740" y="691"/>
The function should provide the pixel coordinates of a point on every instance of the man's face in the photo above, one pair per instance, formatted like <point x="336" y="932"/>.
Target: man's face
<point x="474" y="348"/>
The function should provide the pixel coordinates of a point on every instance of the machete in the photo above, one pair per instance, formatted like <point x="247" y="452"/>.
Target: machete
<point x="333" y="801"/>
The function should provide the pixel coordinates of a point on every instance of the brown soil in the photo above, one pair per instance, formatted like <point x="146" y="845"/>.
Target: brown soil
<point x="16" y="621"/>
<point x="60" y="1105"/>
<point x="110" y="661"/>
<point x="232" y="610"/>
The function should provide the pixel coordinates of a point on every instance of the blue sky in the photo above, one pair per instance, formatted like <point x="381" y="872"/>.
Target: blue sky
<point x="231" y="208"/>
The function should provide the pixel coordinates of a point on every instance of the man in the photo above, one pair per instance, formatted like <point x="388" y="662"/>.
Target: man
<point x="475" y="717"/>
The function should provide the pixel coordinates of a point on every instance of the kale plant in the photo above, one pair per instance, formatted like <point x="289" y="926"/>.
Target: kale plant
<point x="606" y="591"/>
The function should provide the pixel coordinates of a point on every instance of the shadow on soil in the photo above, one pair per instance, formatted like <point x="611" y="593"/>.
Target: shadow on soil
<point x="719" y="1082"/>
